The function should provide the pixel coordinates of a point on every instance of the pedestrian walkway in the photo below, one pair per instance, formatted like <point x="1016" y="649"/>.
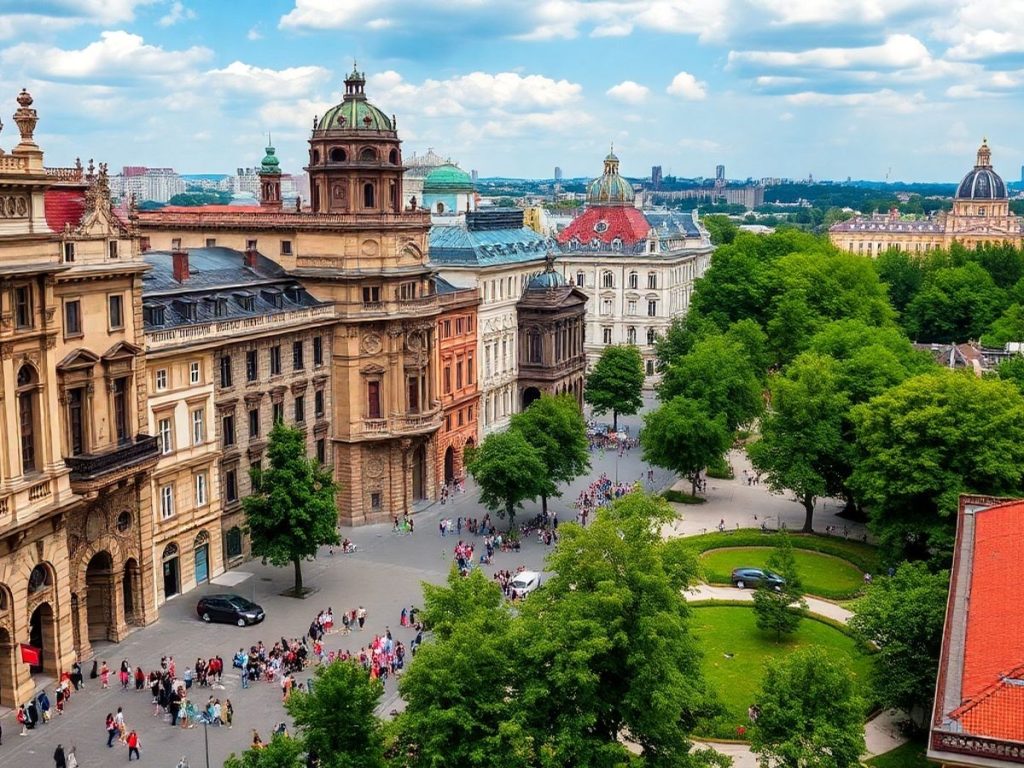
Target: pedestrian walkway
<point x="814" y="604"/>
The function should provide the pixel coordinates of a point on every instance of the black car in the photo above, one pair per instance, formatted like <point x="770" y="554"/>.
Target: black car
<point x="233" y="609"/>
<point x="753" y="577"/>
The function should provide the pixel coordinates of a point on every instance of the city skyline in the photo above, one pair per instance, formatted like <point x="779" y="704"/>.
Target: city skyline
<point x="905" y="91"/>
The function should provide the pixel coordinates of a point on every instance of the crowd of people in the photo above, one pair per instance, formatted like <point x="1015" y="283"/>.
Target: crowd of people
<point x="600" y="493"/>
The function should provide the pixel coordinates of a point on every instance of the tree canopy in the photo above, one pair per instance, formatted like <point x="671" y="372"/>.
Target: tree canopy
<point x="616" y="382"/>
<point x="779" y="610"/>
<point x="291" y="512"/>
<point x="509" y="471"/>
<point x="681" y="435"/>
<point x="279" y="752"/>
<point x="554" y="426"/>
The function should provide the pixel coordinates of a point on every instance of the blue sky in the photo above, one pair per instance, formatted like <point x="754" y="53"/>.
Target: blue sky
<point x="834" y="88"/>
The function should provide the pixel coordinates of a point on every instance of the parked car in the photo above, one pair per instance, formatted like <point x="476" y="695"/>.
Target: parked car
<point x="233" y="609"/>
<point x="753" y="577"/>
<point x="524" y="583"/>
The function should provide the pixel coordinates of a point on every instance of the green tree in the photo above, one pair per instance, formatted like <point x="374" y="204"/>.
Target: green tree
<point x="554" y="426"/>
<point x="291" y="512"/>
<point x="279" y="752"/>
<point x="926" y="441"/>
<point x="780" y="609"/>
<point x="509" y="471"/>
<point x="616" y="382"/>
<point x="902" y="275"/>
<point x="802" y="433"/>
<point x="721" y="228"/>
<point x="1012" y="369"/>
<point x="809" y="713"/>
<point x="337" y="719"/>
<point x="954" y="304"/>
<point x="682" y="436"/>
<point x="903" y="616"/>
<point x="1009" y="326"/>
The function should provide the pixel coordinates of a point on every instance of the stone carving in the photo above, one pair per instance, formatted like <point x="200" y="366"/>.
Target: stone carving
<point x="374" y="465"/>
<point x="371" y="344"/>
<point x="13" y="207"/>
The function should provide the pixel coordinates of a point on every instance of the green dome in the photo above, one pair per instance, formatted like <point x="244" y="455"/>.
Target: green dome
<point x="270" y="164"/>
<point x="355" y="113"/>
<point x="547" y="280"/>
<point x="447" y="178"/>
<point x="610" y="188"/>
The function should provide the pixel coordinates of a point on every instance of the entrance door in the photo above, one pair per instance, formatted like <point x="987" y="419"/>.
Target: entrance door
<point x="41" y="635"/>
<point x="172" y="582"/>
<point x="99" y="600"/>
<point x="202" y="563"/>
<point x="8" y="689"/>
<point x="418" y="462"/>
<point x="449" y="464"/>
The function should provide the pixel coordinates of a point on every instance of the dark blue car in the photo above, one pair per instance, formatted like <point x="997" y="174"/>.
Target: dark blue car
<point x="754" y="577"/>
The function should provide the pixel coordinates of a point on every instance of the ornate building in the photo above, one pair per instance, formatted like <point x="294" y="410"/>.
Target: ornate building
<point x="359" y="249"/>
<point x="981" y="214"/>
<point x="552" y="321"/>
<point x="638" y="268"/>
<point x="460" y="396"/>
<point x="75" y="459"/>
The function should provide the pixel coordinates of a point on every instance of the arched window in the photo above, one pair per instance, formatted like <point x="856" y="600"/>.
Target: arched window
<point x="616" y="244"/>
<point x="124" y="521"/>
<point x="634" y="280"/>
<point x="608" y="280"/>
<point x="28" y="394"/>
<point x="369" y="195"/>
<point x="368" y="155"/>
<point x="393" y="157"/>
<point x="170" y="551"/>
<point x="39" y="579"/>
<point x="440" y="208"/>
<point x="316" y="156"/>
<point x="338" y="155"/>
<point x="579" y="279"/>
<point x="201" y="538"/>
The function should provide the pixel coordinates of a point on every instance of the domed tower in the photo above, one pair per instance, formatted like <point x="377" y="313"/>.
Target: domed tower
<point x="355" y="157"/>
<point x="610" y="188"/>
<point x="982" y="193"/>
<point x="270" y="179"/>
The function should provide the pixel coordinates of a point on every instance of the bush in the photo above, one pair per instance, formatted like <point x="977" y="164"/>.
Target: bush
<point x="682" y="498"/>
<point x="720" y="470"/>
<point x="864" y="556"/>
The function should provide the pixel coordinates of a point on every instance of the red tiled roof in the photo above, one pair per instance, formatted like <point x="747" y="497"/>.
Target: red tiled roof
<point x="624" y="223"/>
<point x="995" y="616"/>
<point x="998" y="712"/>
<point x="63" y="206"/>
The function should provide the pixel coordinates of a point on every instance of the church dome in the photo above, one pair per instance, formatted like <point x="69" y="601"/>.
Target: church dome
<point x="982" y="183"/>
<point x="447" y="178"/>
<point x="270" y="163"/>
<point x="547" y="280"/>
<point x="610" y="188"/>
<point x="355" y="113"/>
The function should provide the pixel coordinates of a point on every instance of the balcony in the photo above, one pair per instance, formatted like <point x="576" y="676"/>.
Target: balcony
<point x="91" y="472"/>
<point x="402" y="425"/>
<point x="421" y="305"/>
<point x="233" y="329"/>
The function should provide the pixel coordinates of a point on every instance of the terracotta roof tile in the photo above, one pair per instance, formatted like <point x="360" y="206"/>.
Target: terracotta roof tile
<point x="997" y="712"/>
<point x="608" y="223"/>
<point x="63" y="206"/>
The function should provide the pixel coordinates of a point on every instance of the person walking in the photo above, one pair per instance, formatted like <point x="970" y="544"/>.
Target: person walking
<point x="133" y="745"/>
<point x="229" y="712"/>
<point x="111" y="729"/>
<point x="104" y="676"/>
<point x="59" y="758"/>
<point x="22" y="718"/>
<point x="72" y="758"/>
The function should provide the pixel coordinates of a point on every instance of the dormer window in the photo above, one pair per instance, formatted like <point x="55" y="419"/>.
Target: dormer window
<point x="246" y="301"/>
<point x="153" y="314"/>
<point x="220" y="307"/>
<point x="601" y="226"/>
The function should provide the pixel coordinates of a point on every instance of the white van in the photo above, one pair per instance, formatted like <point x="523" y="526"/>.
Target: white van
<point x="524" y="583"/>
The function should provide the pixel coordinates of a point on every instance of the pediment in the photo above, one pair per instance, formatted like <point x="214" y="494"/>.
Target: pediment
<point x="121" y="351"/>
<point x="78" y="360"/>
<point x="372" y="369"/>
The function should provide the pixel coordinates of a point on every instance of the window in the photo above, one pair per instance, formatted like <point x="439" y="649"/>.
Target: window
<point x="650" y="367"/>
<point x="69" y="252"/>
<point x="448" y="423"/>
<point x="300" y="408"/>
<point x="193" y="372"/>
<point x="407" y="291"/>
<point x="120" y="393"/>
<point x="462" y="417"/>
<point x="634" y="280"/>
<point x="458" y="374"/>
<point x="124" y="522"/>
<point x="76" y="420"/>
<point x="233" y="542"/>
<point x="116" y="310"/>
<point x="608" y="280"/>
<point x="277" y="413"/>
<point x="166" y="501"/>
<point x="227" y="428"/>
<point x="371" y="294"/>
<point x="231" y="485"/>
<point x="458" y="326"/>
<point x="198" y="427"/>
<point x="251" y="365"/>
<point x="275" y="361"/>
<point x="652" y="308"/>
<point x="606" y="306"/>
<point x="369" y="196"/>
<point x="469" y="369"/>
<point x="112" y="249"/>
<point x="469" y="413"/>
<point x="580" y="278"/>
<point x="298" y="363"/>
<point x="318" y="403"/>
<point x="72" y="317"/>
<point x="23" y="306"/>
<point x="175" y="243"/>
<point x="373" y="399"/>
<point x="413" y="387"/>
<point x="254" y="423"/>
<point x="153" y="315"/>
<point x="375" y="499"/>
<point x="286" y="247"/>
<point x="321" y="450"/>
<point x="652" y="280"/>
<point x="225" y="371"/>
<point x="211" y="242"/>
<point x="652" y="336"/>
<point x="631" y="307"/>
<point x="166" y="432"/>
<point x="318" y="351"/>
<point x="161" y="379"/>
<point x="447" y="379"/>
<point x="607" y="335"/>
<point x="201" y="499"/>
<point x="631" y="335"/>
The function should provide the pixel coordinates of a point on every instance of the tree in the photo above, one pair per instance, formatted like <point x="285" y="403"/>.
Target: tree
<point x="1009" y="326"/>
<point x="926" y="441"/>
<point x="721" y="228"/>
<point x="337" y="718"/>
<point x="291" y="512"/>
<point x="780" y="609"/>
<point x="616" y="382"/>
<point x="903" y="616"/>
<point x="683" y="437"/>
<point x="554" y="426"/>
<point x="1012" y="369"/>
<point x="279" y="752"/>
<point x="954" y="304"/>
<point x="902" y="275"/>
<point x="809" y="713"/>
<point x="802" y="433"/>
<point x="508" y="470"/>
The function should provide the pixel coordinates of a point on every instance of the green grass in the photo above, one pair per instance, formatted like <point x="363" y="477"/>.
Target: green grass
<point x="864" y="556"/>
<point x="822" y="575"/>
<point x="722" y="630"/>
<point x="909" y="755"/>
<point x="682" y="498"/>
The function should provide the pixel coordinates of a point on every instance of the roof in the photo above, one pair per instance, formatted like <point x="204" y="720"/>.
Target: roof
<point x="63" y="206"/>
<point x="600" y="227"/>
<point x="208" y="209"/>
<point x="980" y="691"/>
<point x="447" y="178"/>
<point x="355" y="112"/>
<point x="208" y="268"/>
<point x="488" y="238"/>
<point x="888" y="222"/>
<point x="981" y="184"/>
<point x="667" y="224"/>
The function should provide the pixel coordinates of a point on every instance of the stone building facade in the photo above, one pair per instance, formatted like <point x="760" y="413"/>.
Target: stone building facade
<point x="74" y="459"/>
<point x="460" y="396"/>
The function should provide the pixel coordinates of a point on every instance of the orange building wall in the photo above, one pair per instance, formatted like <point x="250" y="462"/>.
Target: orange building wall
<point x="460" y="405"/>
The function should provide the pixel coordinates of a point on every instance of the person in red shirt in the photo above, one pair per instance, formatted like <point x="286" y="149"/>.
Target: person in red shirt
<point x="133" y="745"/>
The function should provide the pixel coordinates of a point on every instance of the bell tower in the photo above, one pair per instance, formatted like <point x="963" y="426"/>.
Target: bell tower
<point x="270" y="179"/>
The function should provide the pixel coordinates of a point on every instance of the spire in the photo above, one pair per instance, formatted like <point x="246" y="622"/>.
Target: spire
<point x="984" y="155"/>
<point x="355" y="84"/>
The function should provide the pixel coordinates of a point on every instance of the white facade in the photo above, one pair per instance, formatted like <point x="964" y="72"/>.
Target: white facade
<point x="156" y="184"/>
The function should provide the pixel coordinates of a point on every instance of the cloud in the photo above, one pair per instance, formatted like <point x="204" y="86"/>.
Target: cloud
<point x="254" y="33"/>
<point x="292" y="82"/>
<point x="629" y="92"/>
<point x="60" y="15"/>
<point x="982" y="29"/>
<point x="704" y="145"/>
<point x="885" y="100"/>
<point x="177" y="13"/>
<point x="897" y="52"/>
<point x="508" y="91"/>
<point x="686" y="86"/>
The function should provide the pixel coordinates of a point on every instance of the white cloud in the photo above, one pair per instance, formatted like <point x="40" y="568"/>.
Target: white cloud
<point x="64" y="14"/>
<point x="980" y="29"/>
<point x="292" y="82"/>
<point x="686" y="86"/>
<point x="254" y="33"/>
<point x="885" y="100"/>
<point x="629" y="92"/>
<point x="508" y="91"/>
<point x="177" y="13"/>
<point x="898" y="52"/>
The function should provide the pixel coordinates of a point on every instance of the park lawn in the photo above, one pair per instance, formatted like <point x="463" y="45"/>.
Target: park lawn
<point x="864" y="556"/>
<point x="722" y="630"/>
<point x="909" y="755"/>
<point x="821" y="575"/>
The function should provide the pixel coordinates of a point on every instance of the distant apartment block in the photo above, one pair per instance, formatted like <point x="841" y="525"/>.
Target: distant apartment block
<point x="156" y="184"/>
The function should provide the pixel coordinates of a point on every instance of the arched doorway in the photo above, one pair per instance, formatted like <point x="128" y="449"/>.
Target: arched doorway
<point x="8" y="683"/>
<point x="100" y="604"/>
<point x="201" y="548"/>
<point x="419" y="464"/>
<point x="41" y="635"/>
<point x="529" y="395"/>
<point x="172" y="579"/>
<point x="449" y="464"/>
<point x="131" y="592"/>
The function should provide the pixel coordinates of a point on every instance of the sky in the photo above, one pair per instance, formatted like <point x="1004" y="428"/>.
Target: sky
<point x="872" y="89"/>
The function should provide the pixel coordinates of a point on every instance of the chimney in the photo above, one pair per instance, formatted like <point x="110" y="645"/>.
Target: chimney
<point x="250" y="258"/>
<point x="179" y="264"/>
